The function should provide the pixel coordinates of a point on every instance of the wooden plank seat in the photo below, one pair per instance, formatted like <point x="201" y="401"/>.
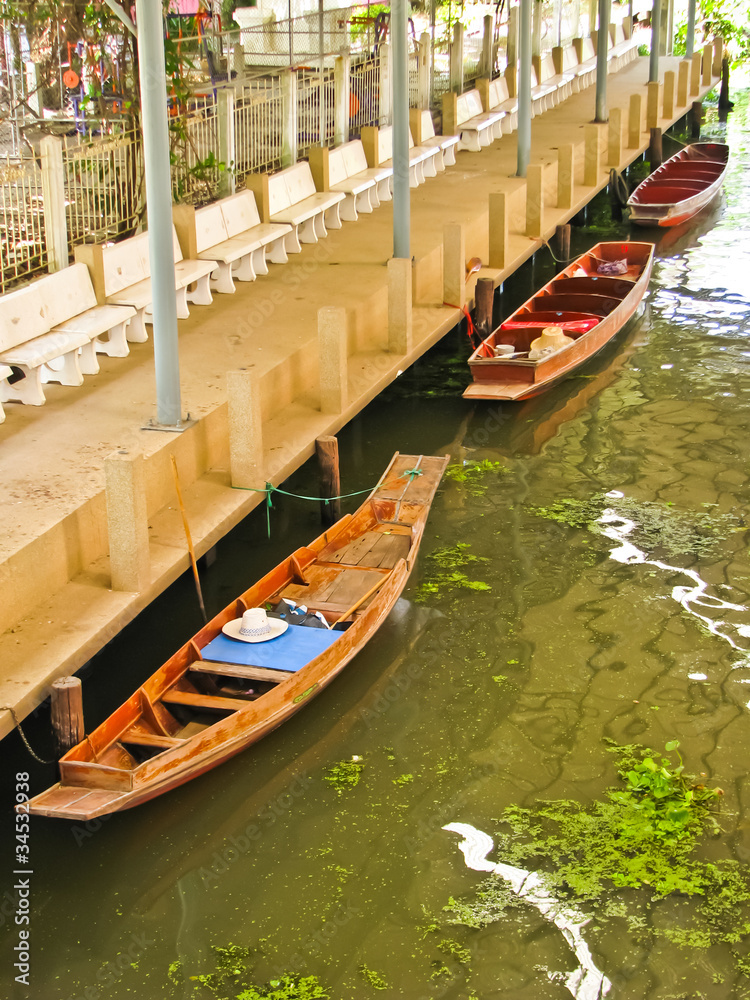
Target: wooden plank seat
<point x="423" y="130"/>
<point x="596" y="284"/>
<point x="121" y="275"/>
<point x="332" y="585"/>
<point x="195" y="699"/>
<point x="378" y="144"/>
<point x="294" y="200"/>
<point x="230" y="234"/>
<point x="374" y="549"/>
<point x="598" y="305"/>
<point x="476" y="127"/>
<point x="51" y="331"/>
<point x="241" y="670"/>
<point x="143" y="738"/>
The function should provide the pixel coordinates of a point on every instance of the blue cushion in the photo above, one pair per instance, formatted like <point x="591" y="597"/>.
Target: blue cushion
<point x="290" y="651"/>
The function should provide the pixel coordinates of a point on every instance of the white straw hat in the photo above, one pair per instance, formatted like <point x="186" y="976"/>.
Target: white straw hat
<point x="254" y="626"/>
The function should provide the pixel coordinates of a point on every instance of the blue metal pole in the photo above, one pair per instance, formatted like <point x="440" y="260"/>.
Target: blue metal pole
<point x="690" y="36"/>
<point x="653" y="64"/>
<point x="400" y="76"/>
<point x="159" y="208"/>
<point x="524" y="87"/>
<point x="602" y="47"/>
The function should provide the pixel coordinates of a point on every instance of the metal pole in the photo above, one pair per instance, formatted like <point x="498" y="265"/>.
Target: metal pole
<point x="322" y="70"/>
<point x="653" y="65"/>
<point x="159" y="204"/>
<point x="690" y="37"/>
<point x="524" y="87"/>
<point x="602" y="39"/>
<point x="400" y="77"/>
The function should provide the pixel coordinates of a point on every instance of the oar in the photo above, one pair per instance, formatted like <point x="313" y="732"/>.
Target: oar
<point x="191" y="550"/>
<point x="363" y="598"/>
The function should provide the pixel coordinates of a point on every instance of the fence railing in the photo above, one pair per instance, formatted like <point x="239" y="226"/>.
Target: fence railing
<point x="258" y="115"/>
<point x="365" y="82"/>
<point x="23" y="249"/>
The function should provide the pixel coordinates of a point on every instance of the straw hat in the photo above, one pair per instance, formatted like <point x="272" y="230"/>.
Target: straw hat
<point x="552" y="338"/>
<point x="254" y="626"/>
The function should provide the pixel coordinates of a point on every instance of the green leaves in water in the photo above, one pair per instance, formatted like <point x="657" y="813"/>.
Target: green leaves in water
<point x="229" y="980"/>
<point x="473" y="475"/>
<point x="657" y="525"/>
<point x="445" y="572"/>
<point x="345" y="775"/>
<point x="287" y="988"/>
<point x="644" y="838"/>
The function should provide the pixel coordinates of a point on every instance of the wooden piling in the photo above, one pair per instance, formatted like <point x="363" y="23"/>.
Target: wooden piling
<point x="655" y="149"/>
<point x="484" y="295"/>
<point x="562" y="246"/>
<point x="67" y="713"/>
<point x="327" y="451"/>
<point x="696" y="117"/>
<point x="724" y="103"/>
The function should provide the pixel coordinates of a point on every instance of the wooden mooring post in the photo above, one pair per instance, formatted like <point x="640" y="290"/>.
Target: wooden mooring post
<point x="484" y="294"/>
<point x="67" y="713"/>
<point x="327" y="450"/>
<point x="655" y="158"/>
<point x="724" y="103"/>
<point x="562" y="246"/>
<point x="696" y="117"/>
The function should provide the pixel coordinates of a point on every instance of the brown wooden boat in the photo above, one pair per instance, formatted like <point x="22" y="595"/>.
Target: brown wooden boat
<point x="587" y="304"/>
<point x="218" y="695"/>
<point x="681" y="186"/>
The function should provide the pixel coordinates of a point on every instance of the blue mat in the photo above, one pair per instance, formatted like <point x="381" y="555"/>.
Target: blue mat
<point x="290" y="651"/>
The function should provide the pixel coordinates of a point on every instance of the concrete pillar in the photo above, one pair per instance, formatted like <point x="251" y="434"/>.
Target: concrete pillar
<point x="683" y="75"/>
<point x="602" y="66"/>
<point x="523" y="150"/>
<point x="614" y="137"/>
<point x="592" y="164"/>
<point x="454" y="265"/>
<point x="246" y="464"/>
<point x="227" y="154"/>
<point x="127" y="521"/>
<point x="512" y="50"/>
<point x="53" y="190"/>
<point x="237" y="63"/>
<point x="535" y="200"/>
<point x="289" y="117"/>
<point x="653" y="100"/>
<point x="498" y="226"/>
<point x="318" y="158"/>
<point x="695" y="74"/>
<point x="333" y="345"/>
<point x="341" y="69"/>
<point x="457" y="59"/>
<point x="385" y="95"/>
<point x="635" y="121"/>
<point x="708" y="58"/>
<point x="399" y="305"/>
<point x="487" y="40"/>
<point x="536" y="30"/>
<point x="423" y="71"/>
<point x="718" y="55"/>
<point x="565" y="175"/>
<point x="450" y="114"/>
<point x="668" y="96"/>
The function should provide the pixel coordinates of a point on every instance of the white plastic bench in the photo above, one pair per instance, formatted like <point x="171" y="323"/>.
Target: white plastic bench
<point x="476" y="127"/>
<point x="586" y="52"/>
<point x="421" y="158"/>
<point x="121" y="273"/>
<point x="293" y="199"/>
<point x="363" y="187"/>
<point x="566" y="61"/>
<point x="5" y="373"/>
<point x="229" y="233"/>
<point x="423" y="131"/>
<point x="623" y="50"/>
<point x="499" y="99"/>
<point x="548" y="76"/>
<point x="51" y="330"/>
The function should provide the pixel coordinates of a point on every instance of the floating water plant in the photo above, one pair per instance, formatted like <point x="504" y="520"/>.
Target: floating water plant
<point x="373" y="978"/>
<point x="446" y="572"/>
<point x="473" y="476"/>
<point x="287" y="988"/>
<point x="345" y="775"/>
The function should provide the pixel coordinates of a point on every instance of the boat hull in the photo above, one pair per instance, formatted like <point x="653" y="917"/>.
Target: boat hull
<point x="610" y="302"/>
<point x="681" y="187"/>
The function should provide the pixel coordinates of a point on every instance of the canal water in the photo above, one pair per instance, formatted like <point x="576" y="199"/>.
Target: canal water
<point x="584" y="577"/>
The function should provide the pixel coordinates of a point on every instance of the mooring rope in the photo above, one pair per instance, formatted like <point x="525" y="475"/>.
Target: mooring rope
<point x="7" y="708"/>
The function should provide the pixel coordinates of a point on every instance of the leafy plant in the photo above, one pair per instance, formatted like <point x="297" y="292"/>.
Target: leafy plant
<point x="446" y="573"/>
<point x="287" y="988"/>
<point x="472" y="475"/>
<point x="345" y="775"/>
<point x="373" y="978"/>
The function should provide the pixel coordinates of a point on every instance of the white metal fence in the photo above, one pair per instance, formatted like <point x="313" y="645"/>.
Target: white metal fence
<point x="258" y="115"/>
<point x="22" y="241"/>
<point x="364" y="93"/>
<point x="315" y="109"/>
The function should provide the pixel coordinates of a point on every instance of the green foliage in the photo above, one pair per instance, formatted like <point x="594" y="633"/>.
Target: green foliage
<point x="446" y="573"/>
<point x="450" y="947"/>
<point x="345" y="775"/>
<point x="287" y="988"/>
<point x="373" y="978"/>
<point x="472" y="475"/>
<point x="727" y="19"/>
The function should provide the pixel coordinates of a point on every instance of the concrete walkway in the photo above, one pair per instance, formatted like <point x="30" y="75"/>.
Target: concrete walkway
<point x="57" y="605"/>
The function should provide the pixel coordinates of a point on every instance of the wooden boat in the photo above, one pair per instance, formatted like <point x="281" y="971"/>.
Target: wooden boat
<point x="217" y="695"/>
<point x="588" y="306"/>
<point x="681" y="186"/>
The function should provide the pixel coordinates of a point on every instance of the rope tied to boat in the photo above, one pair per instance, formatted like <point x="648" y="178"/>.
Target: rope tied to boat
<point x="41" y="760"/>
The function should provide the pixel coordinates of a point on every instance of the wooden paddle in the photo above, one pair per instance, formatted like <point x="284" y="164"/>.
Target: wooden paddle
<point x="364" y="597"/>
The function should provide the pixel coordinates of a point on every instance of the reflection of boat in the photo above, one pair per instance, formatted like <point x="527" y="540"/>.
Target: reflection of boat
<point x="585" y="305"/>
<point x="218" y="695"/>
<point x="681" y="186"/>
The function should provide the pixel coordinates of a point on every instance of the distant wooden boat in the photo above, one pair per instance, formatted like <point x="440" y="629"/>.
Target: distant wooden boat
<point x="218" y="695"/>
<point x="588" y="306"/>
<point x="681" y="186"/>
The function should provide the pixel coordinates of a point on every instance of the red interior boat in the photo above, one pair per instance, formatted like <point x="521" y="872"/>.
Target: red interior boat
<point x="681" y="186"/>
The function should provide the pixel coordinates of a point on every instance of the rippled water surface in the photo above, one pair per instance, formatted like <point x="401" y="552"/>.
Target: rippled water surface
<point x="634" y="626"/>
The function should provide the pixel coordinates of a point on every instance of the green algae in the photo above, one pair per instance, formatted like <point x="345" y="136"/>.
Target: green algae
<point x="446" y="573"/>
<point x="287" y="988"/>
<point x="473" y="475"/>
<point x="345" y="775"/>
<point x="372" y="978"/>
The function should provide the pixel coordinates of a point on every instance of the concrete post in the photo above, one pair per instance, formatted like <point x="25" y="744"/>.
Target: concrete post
<point x="690" y="35"/>
<point x="450" y="113"/>
<point x="457" y="59"/>
<point x="127" y="521"/>
<point x="708" y="56"/>
<point x="227" y="154"/>
<point x="487" y="40"/>
<point x="635" y="121"/>
<point x="341" y="70"/>
<point x="289" y="117"/>
<point x="385" y="96"/>
<point x="536" y="30"/>
<point x="592" y="163"/>
<point x="653" y="65"/>
<point x="34" y="84"/>
<point x="668" y="96"/>
<point x="683" y="75"/>
<point x="246" y="464"/>
<point x="653" y="101"/>
<point x="565" y="175"/>
<point x="401" y="190"/>
<point x="399" y="305"/>
<point x="454" y="265"/>
<point x="53" y="192"/>
<point x="333" y="346"/>
<point x="524" y="88"/>
<point x="602" y="49"/>
<point x="498" y="225"/>
<point x="511" y="57"/>
<point x="695" y="74"/>
<point x="718" y="55"/>
<point x="614" y="138"/>
<point x="423" y="71"/>
<point x="237" y="63"/>
<point x="535" y="200"/>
